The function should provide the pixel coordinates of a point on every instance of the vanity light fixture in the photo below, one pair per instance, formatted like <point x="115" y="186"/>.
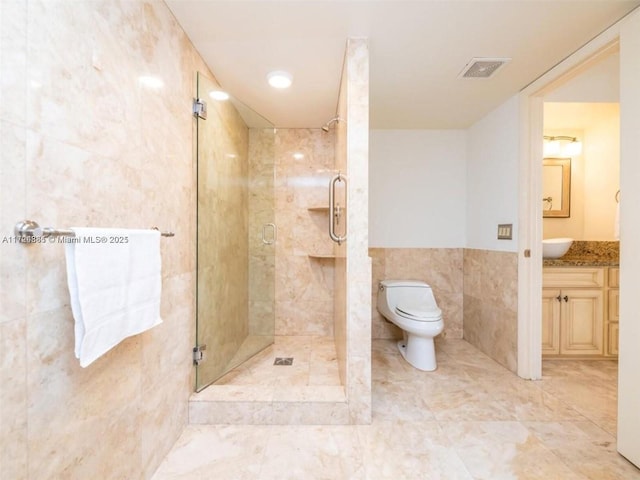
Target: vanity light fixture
<point x="280" y="79"/>
<point x="561" y="146"/>
<point x="219" y="95"/>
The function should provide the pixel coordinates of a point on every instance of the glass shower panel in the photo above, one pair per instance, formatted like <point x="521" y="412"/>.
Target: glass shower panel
<point x="236" y="234"/>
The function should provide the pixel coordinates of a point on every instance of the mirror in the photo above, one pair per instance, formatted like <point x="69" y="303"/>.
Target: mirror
<point x="556" y="187"/>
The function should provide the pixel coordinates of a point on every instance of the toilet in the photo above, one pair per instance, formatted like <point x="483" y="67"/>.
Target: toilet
<point x="411" y="306"/>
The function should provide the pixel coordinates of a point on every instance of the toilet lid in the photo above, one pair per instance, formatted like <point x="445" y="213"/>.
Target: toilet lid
<point x="419" y="311"/>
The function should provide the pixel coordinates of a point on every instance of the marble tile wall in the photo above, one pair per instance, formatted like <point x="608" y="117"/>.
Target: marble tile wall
<point x="304" y="284"/>
<point x="491" y="304"/>
<point x="96" y="129"/>
<point x="353" y="265"/>
<point x="441" y="268"/>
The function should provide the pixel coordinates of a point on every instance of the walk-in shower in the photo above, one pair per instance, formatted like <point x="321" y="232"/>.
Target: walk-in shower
<point x="272" y="285"/>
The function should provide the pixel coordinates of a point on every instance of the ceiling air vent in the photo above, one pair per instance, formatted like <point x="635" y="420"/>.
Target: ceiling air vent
<point x="482" y="67"/>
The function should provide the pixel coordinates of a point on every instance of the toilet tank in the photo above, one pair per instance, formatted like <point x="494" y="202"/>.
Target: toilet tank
<point x="391" y="292"/>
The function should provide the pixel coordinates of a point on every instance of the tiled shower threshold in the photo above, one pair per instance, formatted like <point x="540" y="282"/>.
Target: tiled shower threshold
<point x="259" y="392"/>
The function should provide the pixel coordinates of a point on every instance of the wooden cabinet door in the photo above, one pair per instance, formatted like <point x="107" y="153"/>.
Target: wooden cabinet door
<point x="614" y="305"/>
<point x="581" y="322"/>
<point x="612" y="347"/>
<point x="550" y="321"/>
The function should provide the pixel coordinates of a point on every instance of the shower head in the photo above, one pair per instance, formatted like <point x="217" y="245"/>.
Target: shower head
<point x="326" y="126"/>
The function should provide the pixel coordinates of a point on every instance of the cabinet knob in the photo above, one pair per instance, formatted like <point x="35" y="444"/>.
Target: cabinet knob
<point x="559" y="298"/>
<point x="566" y="298"/>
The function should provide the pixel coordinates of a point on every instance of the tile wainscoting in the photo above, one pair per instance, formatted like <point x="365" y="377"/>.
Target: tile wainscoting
<point x="477" y="291"/>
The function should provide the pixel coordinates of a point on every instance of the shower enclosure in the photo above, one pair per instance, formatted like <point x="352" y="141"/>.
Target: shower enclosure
<point x="275" y="293"/>
<point x="236" y="233"/>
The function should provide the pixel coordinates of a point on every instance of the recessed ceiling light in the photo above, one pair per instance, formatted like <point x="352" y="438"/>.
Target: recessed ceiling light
<point x="280" y="79"/>
<point x="298" y="156"/>
<point x="219" y="95"/>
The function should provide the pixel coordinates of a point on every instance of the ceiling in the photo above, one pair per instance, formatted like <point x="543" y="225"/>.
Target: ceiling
<point x="417" y="50"/>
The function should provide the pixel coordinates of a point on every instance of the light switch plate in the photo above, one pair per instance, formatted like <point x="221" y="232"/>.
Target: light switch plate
<point x="505" y="231"/>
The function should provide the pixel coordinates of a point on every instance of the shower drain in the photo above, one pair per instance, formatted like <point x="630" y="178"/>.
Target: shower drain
<point x="283" y="361"/>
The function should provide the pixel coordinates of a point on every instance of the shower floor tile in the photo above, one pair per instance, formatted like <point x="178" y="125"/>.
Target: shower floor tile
<point x="314" y="364"/>
<point x="313" y="376"/>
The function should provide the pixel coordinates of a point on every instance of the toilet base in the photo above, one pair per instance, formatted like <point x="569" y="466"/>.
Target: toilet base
<point x="419" y="352"/>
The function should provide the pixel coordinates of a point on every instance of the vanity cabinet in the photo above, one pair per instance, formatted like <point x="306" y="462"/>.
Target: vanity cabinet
<point x="613" y="311"/>
<point x="573" y="311"/>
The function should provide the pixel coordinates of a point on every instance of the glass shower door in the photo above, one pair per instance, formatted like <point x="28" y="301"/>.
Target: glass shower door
<point x="236" y="234"/>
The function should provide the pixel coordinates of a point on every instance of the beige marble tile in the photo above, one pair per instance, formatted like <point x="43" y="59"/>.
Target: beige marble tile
<point x="216" y="452"/>
<point x="13" y="273"/>
<point x="407" y="436"/>
<point x="585" y="448"/>
<point x="164" y="415"/>
<point x="64" y="398"/>
<point x="490" y="304"/>
<point x="337" y="453"/>
<point x="528" y="402"/>
<point x="493" y="450"/>
<point x="310" y="412"/>
<point x="416" y="450"/>
<point x="304" y="287"/>
<point x="157" y="359"/>
<point x="230" y="413"/>
<point x="13" y="399"/>
<point x="314" y="393"/>
<point x="441" y="268"/>
<point x="399" y="401"/>
<point x="13" y="61"/>
<point x="128" y="163"/>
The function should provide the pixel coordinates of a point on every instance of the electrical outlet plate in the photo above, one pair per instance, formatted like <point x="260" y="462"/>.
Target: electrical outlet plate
<point x="505" y="231"/>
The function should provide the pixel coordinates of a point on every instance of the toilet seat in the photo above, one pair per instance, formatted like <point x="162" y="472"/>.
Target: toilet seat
<point x="420" y="311"/>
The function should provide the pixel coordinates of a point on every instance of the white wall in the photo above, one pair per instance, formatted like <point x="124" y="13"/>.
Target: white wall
<point x="595" y="173"/>
<point x="600" y="83"/>
<point x="417" y="183"/>
<point x="602" y="175"/>
<point x="492" y="178"/>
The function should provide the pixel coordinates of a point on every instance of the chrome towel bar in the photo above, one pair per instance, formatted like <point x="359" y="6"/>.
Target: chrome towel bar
<point x="27" y="229"/>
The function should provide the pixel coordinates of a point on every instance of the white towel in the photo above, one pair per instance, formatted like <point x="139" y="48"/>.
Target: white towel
<point x="616" y="223"/>
<point x="114" y="278"/>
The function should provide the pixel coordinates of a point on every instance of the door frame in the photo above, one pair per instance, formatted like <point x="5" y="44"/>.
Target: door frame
<point x="530" y="226"/>
<point x="531" y="101"/>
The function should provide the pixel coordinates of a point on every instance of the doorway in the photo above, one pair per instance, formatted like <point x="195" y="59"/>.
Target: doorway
<point x="625" y="33"/>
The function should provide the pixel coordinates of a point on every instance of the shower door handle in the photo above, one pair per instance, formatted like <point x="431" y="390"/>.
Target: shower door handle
<point x="274" y="234"/>
<point x="335" y="211"/>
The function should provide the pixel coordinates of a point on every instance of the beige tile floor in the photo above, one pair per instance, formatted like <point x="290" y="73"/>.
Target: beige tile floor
<point x="470" y="419"/>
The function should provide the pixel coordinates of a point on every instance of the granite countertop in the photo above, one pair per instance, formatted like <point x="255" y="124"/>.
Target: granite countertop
<point x="587" y="254"/>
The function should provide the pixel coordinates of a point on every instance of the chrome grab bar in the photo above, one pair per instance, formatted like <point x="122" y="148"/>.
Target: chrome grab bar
<point x="335" y="211"/>
<point x="274" y="234"/>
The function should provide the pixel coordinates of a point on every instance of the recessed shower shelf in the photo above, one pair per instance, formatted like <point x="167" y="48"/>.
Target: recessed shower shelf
<point x="321" y="256"/>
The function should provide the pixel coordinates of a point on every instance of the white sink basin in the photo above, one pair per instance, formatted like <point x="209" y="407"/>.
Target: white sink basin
<point x="555" y="247"/>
